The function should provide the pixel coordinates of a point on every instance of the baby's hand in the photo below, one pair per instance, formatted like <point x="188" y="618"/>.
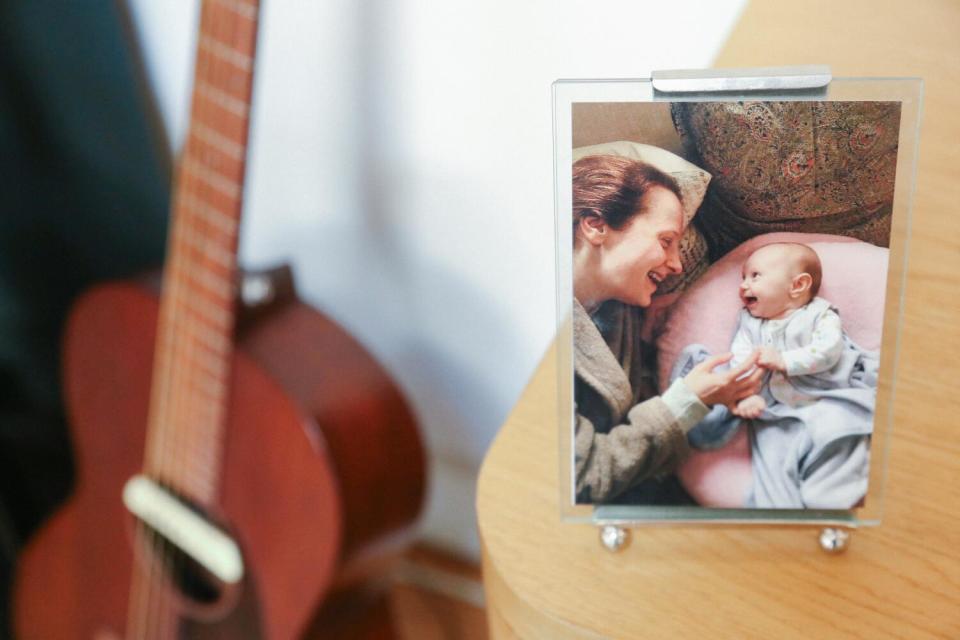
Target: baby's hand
<point x="771" y="359"/>
<point x="750" y="407"/>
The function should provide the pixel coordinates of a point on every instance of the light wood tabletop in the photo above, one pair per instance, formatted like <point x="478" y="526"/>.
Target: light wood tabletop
<point x="548" y="579"/>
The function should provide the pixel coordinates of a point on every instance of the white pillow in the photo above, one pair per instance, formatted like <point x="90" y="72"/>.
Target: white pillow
<point x="692" y="179"/>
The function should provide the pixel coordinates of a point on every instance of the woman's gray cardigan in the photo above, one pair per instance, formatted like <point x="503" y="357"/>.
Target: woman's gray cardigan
<point x="624" y="432"/>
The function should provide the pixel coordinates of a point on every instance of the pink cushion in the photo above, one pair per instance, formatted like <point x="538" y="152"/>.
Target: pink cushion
<point x="854" y="281"/>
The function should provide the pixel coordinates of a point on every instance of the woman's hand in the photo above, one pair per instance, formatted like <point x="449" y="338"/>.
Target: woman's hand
<point x="723" y="387"/>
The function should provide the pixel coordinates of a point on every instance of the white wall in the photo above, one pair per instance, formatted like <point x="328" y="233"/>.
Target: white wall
<point x="402" y="162"/>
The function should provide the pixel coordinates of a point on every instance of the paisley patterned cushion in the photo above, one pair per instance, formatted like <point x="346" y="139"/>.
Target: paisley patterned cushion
<point x="815" y="167"/>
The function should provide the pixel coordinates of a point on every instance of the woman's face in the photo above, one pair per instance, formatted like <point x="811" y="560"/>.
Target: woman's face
<point x="636" y="258"/>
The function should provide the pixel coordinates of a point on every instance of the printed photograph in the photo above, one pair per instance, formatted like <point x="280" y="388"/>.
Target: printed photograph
<point x="729" y="272"/>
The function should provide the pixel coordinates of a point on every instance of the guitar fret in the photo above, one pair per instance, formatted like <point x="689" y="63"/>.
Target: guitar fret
<point x="198" y="410"/>
<point x="206" y="439"/>
<point x="210" y="415"/>
<point x="217" y="343"/>
<point x="220" y="287"/>
<point x="211" y="215"/>
<point x="223" y="99"/>
<point x="218" y="141"/>
<point x="216" y="316"/>
<point x="200" y="461"/>
<point x="212" y="365"/>
<point x="211" y="387"/>
<point x="214" y="284"/>
<point x="245" y="9"/>
<point x="200" y="482"/>
<point x="218" y="254"/>
<point x="221" y="183"/>
<point x="209" y="379"/>
<point x="206" y="422"/>
<point x="227" y="53"/>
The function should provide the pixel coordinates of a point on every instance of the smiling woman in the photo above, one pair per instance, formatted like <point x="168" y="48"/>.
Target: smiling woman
<point x="627" y="223"/>
<point x="637" y="251"/>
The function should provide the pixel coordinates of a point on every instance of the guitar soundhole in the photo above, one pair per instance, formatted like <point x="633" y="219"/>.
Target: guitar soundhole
<point x="205" y="595"/>
<point x="197" y="585"/>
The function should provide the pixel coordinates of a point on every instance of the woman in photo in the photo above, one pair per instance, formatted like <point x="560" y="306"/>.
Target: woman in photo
<point x="627" y="225"/>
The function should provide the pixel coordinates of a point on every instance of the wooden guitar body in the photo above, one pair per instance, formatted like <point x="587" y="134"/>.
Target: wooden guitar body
<point x="322" y="475"/>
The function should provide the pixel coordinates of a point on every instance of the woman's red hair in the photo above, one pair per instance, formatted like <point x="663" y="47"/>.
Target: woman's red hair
<point x="612" y="188"/>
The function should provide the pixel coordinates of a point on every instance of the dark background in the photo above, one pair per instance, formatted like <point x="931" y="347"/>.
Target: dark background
<point x="83" y="198"/>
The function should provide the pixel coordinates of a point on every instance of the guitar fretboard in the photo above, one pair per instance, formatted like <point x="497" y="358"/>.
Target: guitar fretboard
<point x="197" y="316"/>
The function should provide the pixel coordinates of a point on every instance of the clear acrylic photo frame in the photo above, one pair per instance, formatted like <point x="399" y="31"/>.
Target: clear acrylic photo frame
<point x="907" y="91"/>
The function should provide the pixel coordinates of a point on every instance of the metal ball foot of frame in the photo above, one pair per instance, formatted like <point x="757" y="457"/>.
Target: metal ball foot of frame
<point x="614" y="538"/>
<point x="834" y="540"/>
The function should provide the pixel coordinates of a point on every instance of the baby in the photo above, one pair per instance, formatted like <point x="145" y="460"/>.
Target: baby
<point x="777" y="280"/>
<point x="811" y="423"/>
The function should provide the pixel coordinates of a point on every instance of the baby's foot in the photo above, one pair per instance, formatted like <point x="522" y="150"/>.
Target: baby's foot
<point x="718" y="427"/>
<point x="715" y="430"/>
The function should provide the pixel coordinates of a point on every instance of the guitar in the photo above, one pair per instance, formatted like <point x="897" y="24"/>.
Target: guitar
<point x="239" y="474"/>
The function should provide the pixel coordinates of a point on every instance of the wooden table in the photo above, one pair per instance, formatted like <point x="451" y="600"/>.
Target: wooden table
<point x="547" y="579"/>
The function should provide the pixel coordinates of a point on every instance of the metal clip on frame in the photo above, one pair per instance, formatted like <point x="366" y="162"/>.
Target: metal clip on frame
<point x="808" y="80"/>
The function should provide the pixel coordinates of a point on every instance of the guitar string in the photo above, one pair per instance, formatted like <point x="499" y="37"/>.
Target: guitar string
<point x="162" y="585"/>
<point x="185" y="414"/>
<point x="153" y="601"/>
<point x="181" y="348"/>
<point x="149" y="592"/>
<point x="166" y="582"/>
<point x="188" y="419"/>
<point x="190" y="460"/>
<point x="193" y="256"/>
<point x="156" y="602"/>
<point x="142" y="597"/>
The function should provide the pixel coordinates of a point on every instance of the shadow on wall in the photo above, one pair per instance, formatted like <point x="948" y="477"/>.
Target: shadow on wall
<point x="458" y="390"/>
<point x="438" y="334"/>
<point x="453" y="377"/>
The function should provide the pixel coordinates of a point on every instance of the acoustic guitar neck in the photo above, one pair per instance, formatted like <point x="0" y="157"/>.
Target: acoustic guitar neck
<point x="197" y="318"/>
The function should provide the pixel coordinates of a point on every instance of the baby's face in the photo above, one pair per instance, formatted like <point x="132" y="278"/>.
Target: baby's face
<point x="767" y="278"/>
